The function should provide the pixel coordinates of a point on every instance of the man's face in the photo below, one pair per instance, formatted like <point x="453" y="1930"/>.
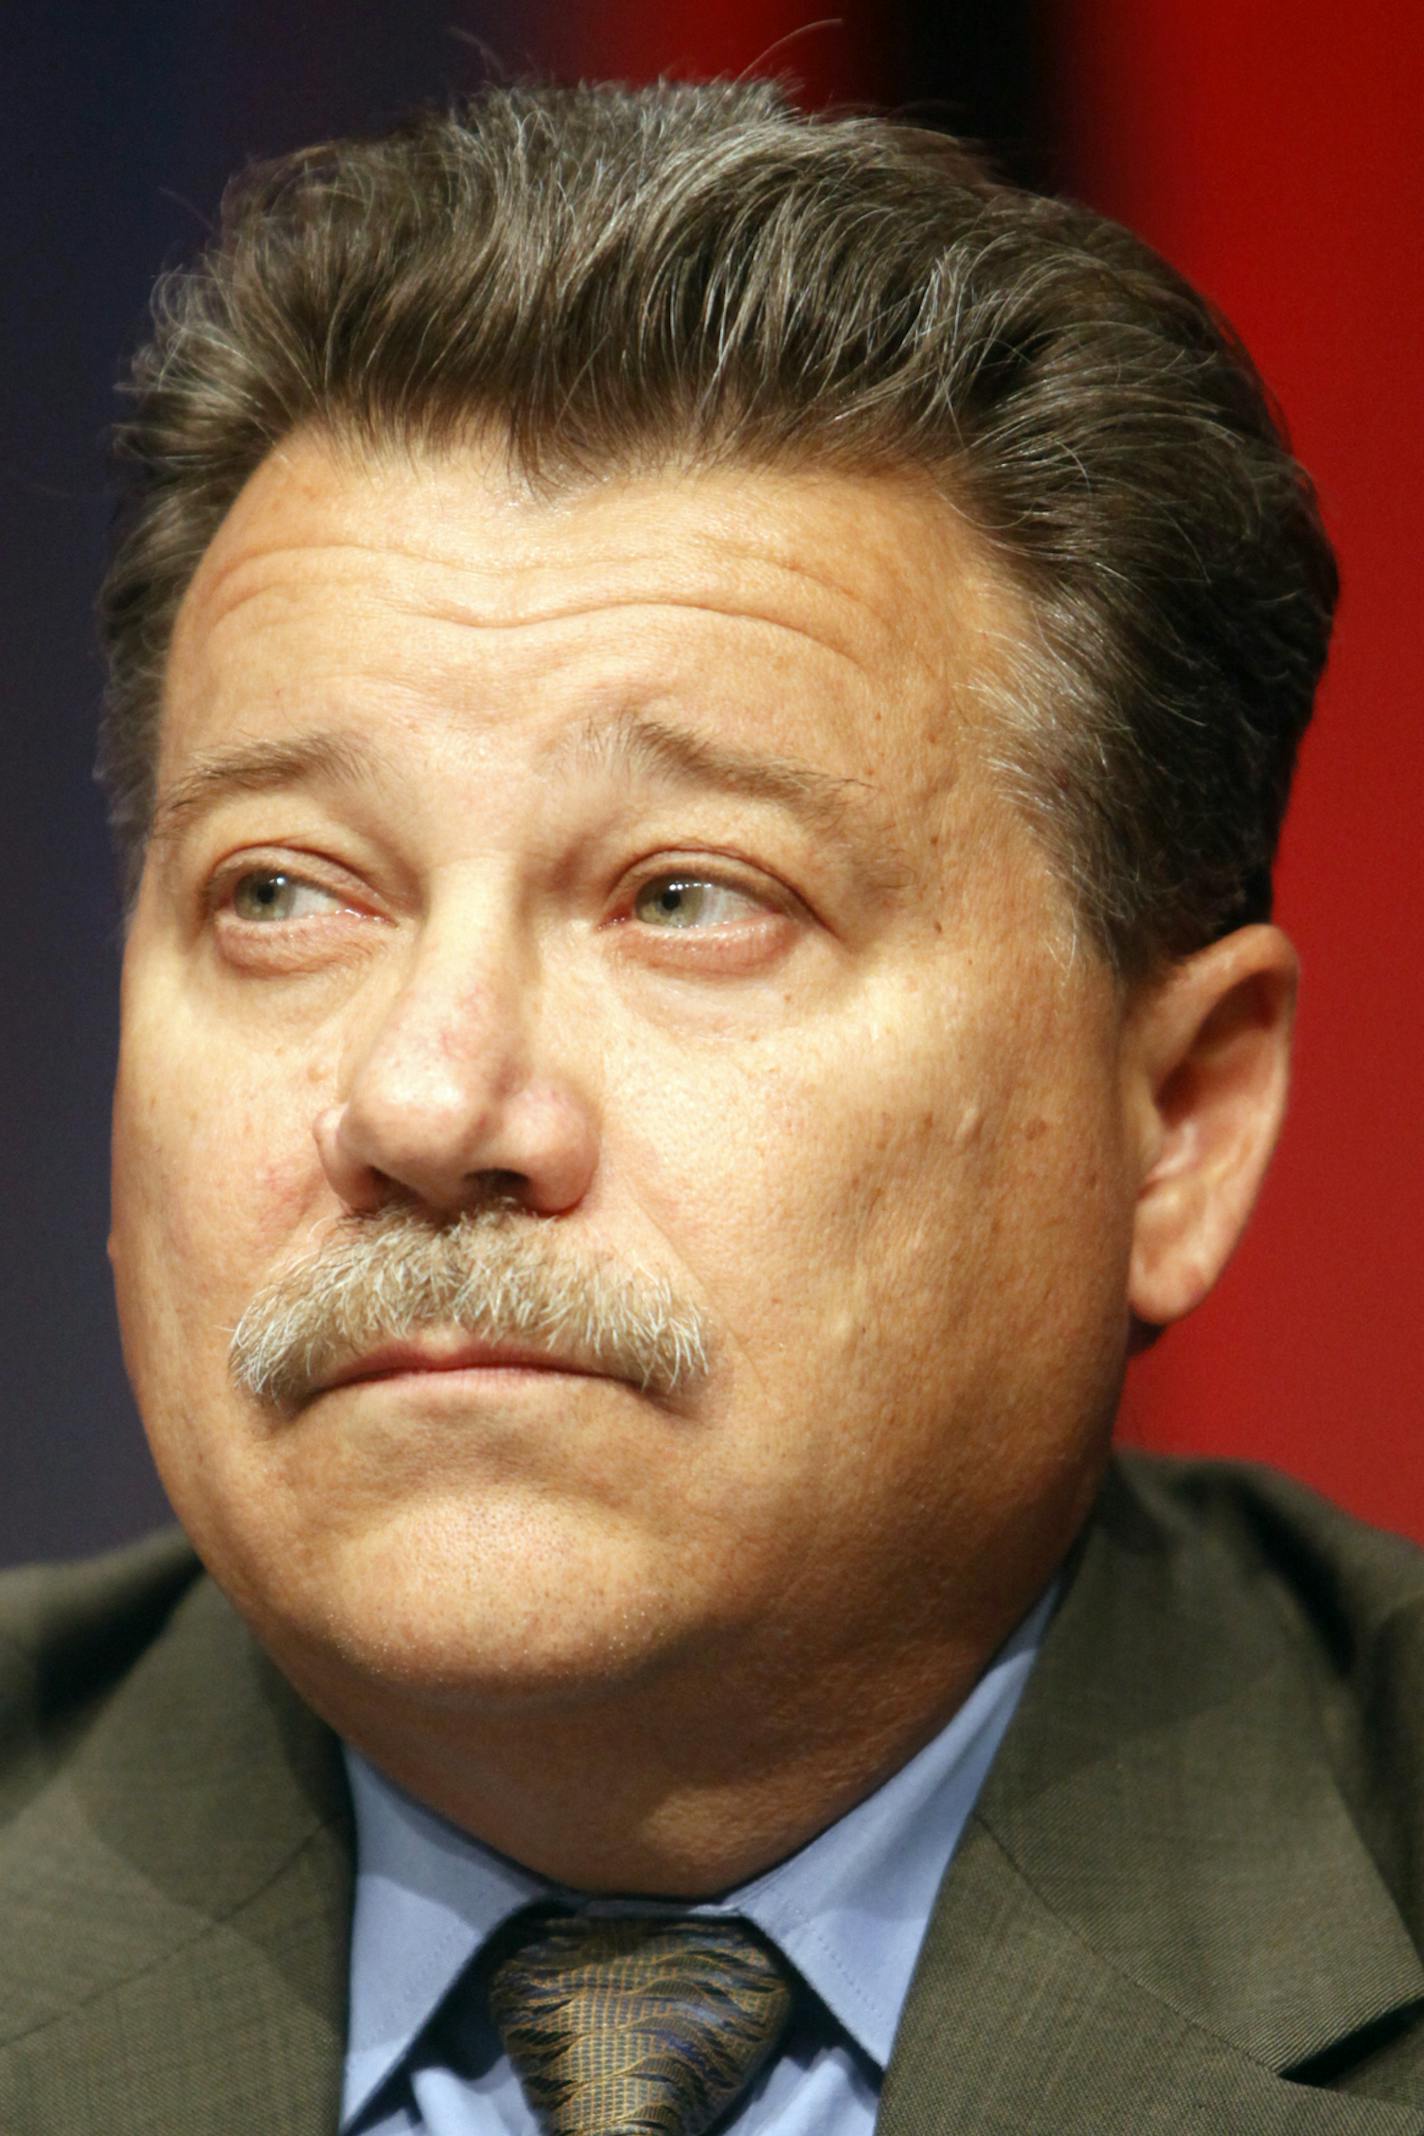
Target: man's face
<point x="629" y="863"/>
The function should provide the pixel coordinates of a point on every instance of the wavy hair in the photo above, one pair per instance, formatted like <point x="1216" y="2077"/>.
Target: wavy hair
<point x="625" y="278"/>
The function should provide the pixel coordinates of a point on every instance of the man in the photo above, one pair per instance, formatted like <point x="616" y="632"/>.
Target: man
<point x="701" y="706"/>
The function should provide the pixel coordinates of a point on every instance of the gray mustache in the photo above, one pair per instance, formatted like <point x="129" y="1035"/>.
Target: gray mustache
<point x="493" y="1274"/>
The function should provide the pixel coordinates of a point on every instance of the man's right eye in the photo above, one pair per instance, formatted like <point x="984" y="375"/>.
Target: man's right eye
<point x="267" y="894"/>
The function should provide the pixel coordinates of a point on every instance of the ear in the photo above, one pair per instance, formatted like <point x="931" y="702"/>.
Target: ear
<point x="1207" y="1056"/>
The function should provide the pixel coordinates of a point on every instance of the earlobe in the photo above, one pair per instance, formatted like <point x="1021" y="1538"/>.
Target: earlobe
<point x="1208" y="1067"/>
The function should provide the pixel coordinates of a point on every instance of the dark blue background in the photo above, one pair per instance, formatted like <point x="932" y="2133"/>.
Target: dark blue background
<point x="118" y="126"/>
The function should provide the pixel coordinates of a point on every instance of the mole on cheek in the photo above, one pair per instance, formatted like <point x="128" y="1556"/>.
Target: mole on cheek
<point x="970" y="1128"/>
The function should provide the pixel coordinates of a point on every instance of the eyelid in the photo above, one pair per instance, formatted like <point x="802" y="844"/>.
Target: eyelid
<point x="719" y="870"/>
<point x="306" y="869"/>
<point x="725" y="871"/>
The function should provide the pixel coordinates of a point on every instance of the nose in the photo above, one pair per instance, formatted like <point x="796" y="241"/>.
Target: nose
<point x="445" y="1101"/>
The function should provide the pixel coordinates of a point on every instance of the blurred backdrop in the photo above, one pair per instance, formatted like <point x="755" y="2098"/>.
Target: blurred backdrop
<point x="1269" y="151"/>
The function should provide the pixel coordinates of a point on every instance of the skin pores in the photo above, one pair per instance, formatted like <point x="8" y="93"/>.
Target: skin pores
<point x="636" y="854"/>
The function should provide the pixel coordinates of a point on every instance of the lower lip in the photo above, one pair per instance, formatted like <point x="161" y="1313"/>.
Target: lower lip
<point x="463" y="1378"/>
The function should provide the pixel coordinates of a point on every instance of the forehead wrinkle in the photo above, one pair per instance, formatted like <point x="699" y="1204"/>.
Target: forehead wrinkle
<point x="204" y="595"/>
<point x="209" y="608"/>
<point x="735" y="612"/>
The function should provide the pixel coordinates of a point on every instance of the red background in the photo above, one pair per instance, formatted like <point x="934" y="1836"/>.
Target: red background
<point x="1271" y="151"/>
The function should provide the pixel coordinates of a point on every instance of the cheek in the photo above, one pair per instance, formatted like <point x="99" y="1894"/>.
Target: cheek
<point x="802" y="1176"/>
<point x="936" y="1174"/>
<point x="214" y="1166"/>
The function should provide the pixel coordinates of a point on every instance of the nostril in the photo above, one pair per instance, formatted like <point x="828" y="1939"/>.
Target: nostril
<point x="389" y="1133"/>
<point x="501" y="1185"/>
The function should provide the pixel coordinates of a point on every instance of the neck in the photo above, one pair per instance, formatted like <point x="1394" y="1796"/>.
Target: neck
<point x="680" y="1788"/>
<point x="690" y="1771"/>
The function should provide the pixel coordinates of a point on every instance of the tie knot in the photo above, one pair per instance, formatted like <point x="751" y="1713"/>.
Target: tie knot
<point x="646" y="2024"/>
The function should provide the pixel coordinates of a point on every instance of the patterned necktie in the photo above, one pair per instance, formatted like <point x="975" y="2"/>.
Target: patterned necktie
<point x="646" y="2024"/>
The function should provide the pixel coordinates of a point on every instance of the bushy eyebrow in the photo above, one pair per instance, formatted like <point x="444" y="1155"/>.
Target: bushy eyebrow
<point x="847" y="811"/>
<point x="257" y="768"/>
<point x="839" y="808"/>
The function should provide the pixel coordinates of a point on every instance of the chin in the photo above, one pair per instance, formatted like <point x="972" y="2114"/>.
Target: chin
<point x="493" y="1607"/>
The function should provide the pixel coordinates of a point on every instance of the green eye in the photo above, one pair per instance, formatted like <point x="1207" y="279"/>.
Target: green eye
<point x="686" y="901"/>
<point x="267" y="894"/>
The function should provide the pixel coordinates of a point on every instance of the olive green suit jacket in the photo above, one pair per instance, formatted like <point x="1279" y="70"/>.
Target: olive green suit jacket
<point x="1191" y="1896"/>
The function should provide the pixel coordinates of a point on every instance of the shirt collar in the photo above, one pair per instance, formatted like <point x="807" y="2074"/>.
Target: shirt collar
<point x="427" y="1898"/>
<point x="849" y="1909"/>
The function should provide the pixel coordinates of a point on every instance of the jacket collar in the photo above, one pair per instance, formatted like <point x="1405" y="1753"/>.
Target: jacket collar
<point x="1162" y="1906"/>
<point x="1160" y="1912"/>
<point x="176" y="1902"/>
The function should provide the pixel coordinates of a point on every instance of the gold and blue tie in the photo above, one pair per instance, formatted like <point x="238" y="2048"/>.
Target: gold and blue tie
<point x="644" y="2025"/>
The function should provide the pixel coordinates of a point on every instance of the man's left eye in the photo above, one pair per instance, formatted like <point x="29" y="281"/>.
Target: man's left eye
<point x="266" y="894"/>
<point x="687" y="901"/>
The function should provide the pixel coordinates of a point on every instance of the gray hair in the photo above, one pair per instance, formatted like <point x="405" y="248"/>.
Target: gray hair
<point x="495" y="1272"/>
<point x="622" y="279"/>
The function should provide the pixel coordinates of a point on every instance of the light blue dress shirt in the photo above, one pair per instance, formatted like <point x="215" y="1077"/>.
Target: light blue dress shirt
<point x="849" y="1911"/>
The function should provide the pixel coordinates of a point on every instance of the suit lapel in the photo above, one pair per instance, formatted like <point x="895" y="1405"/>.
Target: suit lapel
<point x="179" y="1899"/>
<point x="1162" y="1906"/>
<point x="1159" y="1913"/>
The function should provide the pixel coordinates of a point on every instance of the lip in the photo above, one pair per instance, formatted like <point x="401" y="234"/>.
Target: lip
<point x="409" y="1359"/>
